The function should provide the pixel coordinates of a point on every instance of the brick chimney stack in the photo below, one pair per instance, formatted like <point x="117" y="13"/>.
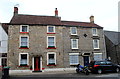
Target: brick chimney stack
<point x="91" y="19"/>
<point x="56" y="12"/>
<point x="15" y="10"/>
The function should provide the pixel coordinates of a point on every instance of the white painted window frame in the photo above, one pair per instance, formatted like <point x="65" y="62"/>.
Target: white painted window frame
<point x="71" y="30"/>
<point x="93" y="32"/>
<point x="97" y="42"/>
<point x="27" y="58"/>
<point x="72" y="43"/>
<point x="27" y="40"/>
<point x="75" y="55"/>
<point x="48" y="56"/>
<point x="48" y="29"/>
<point x="54" y="40"/>
<point x="24" y="25"/>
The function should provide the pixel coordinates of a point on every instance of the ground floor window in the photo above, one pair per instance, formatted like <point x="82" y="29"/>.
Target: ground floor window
<point x="51" y="58"/>
<point x="23" y="59"/>
<point x="97" y="56"/>
<point x="74" y="58"/>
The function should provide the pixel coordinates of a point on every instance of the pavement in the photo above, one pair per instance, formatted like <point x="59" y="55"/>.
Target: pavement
<point x="29" y="72"/>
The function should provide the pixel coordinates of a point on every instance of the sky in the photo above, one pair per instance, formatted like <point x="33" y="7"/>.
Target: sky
<point x="105" y="12"/>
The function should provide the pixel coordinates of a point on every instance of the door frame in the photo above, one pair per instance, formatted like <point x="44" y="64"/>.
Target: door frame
<point x="40" y="63"/>
<point x="88" y="58"/>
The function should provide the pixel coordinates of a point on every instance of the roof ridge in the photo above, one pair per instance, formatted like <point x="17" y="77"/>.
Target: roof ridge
<point x="36" y="15"/>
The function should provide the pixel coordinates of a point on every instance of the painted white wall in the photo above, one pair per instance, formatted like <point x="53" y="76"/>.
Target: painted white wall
<point x="4" y="40"/>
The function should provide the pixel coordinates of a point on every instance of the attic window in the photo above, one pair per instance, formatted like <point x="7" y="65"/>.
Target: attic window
<point x="24" y="29"/>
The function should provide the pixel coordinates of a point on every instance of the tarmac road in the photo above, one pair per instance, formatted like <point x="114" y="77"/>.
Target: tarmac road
<point x="70" y="75"/>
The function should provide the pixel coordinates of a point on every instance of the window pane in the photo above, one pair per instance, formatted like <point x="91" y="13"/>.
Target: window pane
<point x="50" y="41"/>
<point x="97" y="57"/>
<point x="24" y="28"/>
<point x="50" y="29"/>
<point x="24" y="41"/>
<point x="94" y="31"/>
<point x="74" y="43"/>
<point x="23" y="60"/>
<point x="74" y="59"/>
<point x="51" y="59"/>
<point x="95" y="43"/>
<point x="73" y="30"/>
<point x="51" y="56"/>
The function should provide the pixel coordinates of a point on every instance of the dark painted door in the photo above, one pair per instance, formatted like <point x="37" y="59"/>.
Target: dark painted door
<point x="36" y="63"/>
<point x="86" y="60"/>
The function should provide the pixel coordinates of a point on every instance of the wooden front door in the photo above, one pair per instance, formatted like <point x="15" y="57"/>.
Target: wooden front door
<point x="37" y="64"/>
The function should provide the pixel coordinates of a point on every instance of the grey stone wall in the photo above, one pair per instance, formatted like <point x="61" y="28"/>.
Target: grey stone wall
<point x="38" y="45"/>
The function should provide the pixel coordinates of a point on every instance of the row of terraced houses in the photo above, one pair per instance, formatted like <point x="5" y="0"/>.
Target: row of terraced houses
<point x="44" y="42"/>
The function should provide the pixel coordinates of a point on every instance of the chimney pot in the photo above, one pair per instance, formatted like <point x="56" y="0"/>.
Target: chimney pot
<point x="15" y="10"/>
<point x="56" y="12"/>
<point x="91" y="19"/>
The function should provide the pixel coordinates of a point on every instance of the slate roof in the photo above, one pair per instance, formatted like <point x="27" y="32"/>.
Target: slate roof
<point x="114" y="37"/>
<point x="48" y="20"/>
<point x="5" y="27"/>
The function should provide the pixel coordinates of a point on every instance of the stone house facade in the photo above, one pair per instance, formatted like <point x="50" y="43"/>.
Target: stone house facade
<point x="43" y="42"/>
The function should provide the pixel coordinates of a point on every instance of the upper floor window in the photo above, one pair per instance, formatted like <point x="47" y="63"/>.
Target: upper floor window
<point x="51" y="42"/>
<point x="94" y="31"/>
<point x="51" y="58"/>
<point x="23" y="59"/>
<point x="50" y="29"/>
<point x="96" y="44"/>
<point x="73" y="30"/>
<point x="24" y="28"/>
<point x="74" y="43"/>
<point x="24" y="42"/>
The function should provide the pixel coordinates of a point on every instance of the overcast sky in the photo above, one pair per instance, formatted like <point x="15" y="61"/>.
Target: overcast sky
<point x="105" y="12"/>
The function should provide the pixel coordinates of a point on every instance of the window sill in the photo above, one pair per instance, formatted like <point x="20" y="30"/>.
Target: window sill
<point x="95" y="35"/>
<point x="23" y="48"/>
<point x="24" y="32"/>
<point x="75" y="48"/>
<point x="51" y="47"/>
<point x="24" y="66"/>
<point x="73" y="64"/>
<point x="96" y="48"/>
<point x="74" y="34"/>
<point x="51" y="65"/>
<point x="51" y="33"/>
